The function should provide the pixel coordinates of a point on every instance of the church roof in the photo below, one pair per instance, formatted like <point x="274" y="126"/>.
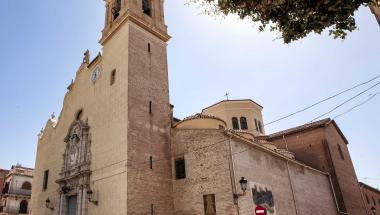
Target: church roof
<point x="199" y="116"/>
<point x="309" y="126"/>
<point x="369" y="187"/>
<point x="237" y="100"/>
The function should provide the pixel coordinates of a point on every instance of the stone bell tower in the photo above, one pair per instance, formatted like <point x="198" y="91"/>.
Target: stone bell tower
<point x="134" y="43"/>
<point x="149" y="14"/>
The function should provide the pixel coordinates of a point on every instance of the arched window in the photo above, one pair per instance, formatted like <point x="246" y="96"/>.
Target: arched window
<point x="26" y="186"/>
<point x="78" y="115"/>
<point x="116" y="9"/>
<point x="23" y="207"/>
<point x="260" y="126"/>
<point x="235" y="123"/>
<point x="243" y="123"/>
<point x="146" y="7"/>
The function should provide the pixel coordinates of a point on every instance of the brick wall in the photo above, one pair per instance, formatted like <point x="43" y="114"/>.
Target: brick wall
<point x="371" y="197"/>
<point x="148" y="126"/>
<point x="207" y="172"/>
<point x="318" y="147"/>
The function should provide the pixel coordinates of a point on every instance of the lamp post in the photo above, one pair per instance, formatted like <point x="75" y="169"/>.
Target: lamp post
<point x="47" y="204"/>
<point x="243" y="185"/>
<point x="90" y="197"/>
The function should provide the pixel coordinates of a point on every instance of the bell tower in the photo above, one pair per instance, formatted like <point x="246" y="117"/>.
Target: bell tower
<point x="148" y="13"/>
<point x="134" y="59"/>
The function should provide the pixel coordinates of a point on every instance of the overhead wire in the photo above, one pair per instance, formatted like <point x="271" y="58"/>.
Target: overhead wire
<point x="322" y="101"/>
<point x="345" y="102"/>
<point x="356" y="106"/>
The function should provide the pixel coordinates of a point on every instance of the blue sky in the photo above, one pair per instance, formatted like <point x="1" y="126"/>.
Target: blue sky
<point x="43" y="43"/>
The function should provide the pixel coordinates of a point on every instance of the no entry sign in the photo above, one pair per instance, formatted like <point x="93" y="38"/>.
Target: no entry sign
<point x="260" y="210"/>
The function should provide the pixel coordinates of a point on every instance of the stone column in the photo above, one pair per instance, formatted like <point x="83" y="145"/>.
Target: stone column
<point x="79" y="201"/>
<point x="84" y="202"/>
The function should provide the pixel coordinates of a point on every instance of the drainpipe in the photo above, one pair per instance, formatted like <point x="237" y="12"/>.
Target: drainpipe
<point x="232" y="175"/>
<point x="291" y="187"/>
<point x="336" y="200"/>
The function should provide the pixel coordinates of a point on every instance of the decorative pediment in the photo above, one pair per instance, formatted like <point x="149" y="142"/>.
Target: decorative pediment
<point x="77" y="155"/>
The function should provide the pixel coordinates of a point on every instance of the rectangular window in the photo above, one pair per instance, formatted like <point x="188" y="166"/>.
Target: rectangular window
<point x="113" y="77"/>
<point x="151" y="162"/>
<point x="209" y="204"/>
<point x="152" y="209"/>
<point x="180" y="168"/>
<point x="46" y="179"/>
<point x="257" y="127"/>
<point x="150" y="106"/>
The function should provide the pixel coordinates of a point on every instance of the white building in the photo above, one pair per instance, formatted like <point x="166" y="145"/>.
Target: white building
<point x="17" y="191"/>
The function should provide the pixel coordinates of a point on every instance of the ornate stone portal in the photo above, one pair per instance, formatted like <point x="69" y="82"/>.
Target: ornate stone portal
<point x="74" y="179"/>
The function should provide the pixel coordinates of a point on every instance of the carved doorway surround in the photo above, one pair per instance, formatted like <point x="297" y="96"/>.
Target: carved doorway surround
<point x="75" y="175"/>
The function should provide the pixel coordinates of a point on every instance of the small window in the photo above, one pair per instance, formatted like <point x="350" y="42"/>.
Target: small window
<point x="152" y="209"/>
<point x="23" y="209"/>
<point x="256" y="125"/>
<point x="116" y="9"/>
<point x="235" y="123"/>
<point x="26" y="186"/>
<point x="260" y="126"/>
<point x="146" y="6"/>
<point x="78" y="116"/>
<point x="150" y="106"/>
<point x="340" y="152"/>
<point x="209" y="204"/>
<point x="151" y="162"/>
<point x="149" y="49"/>
<point x="243" y="123"/>
<point x="113" y="77"/>
<point x="180" y="168"/>
<point x="46" y="178"/>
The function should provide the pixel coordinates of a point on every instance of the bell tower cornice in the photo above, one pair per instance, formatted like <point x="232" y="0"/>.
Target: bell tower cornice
<point x="147" y="14"/>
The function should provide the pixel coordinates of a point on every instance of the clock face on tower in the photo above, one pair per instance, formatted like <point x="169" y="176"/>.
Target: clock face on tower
<point x="95" y="75"/>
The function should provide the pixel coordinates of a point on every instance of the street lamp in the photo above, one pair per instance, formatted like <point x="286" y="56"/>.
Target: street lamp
<point x="91" y="198"/>
<point x="373" y="209"/>
<point x="243" y="185"/>
<point x="47" y="204"/>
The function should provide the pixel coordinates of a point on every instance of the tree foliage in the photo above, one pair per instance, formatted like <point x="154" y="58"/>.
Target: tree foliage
<point x="294" y="19"/>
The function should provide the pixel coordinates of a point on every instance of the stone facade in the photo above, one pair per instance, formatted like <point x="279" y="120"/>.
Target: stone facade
<point x="3" y="174"/>
<point x="122" y="97"/>
<point x="296" y="188"/>
<point x="17" y="189"/>
<point x="372" y="198"/>
<point x="116" y="148"/>
<point x="322" y="145"/>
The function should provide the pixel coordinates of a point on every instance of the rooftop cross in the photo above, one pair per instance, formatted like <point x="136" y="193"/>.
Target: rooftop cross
<point x="226" y="95"/>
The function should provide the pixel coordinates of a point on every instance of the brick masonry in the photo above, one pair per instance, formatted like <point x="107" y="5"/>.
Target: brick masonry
<point x="318" y="147"/>
<point x="207" y="169"/>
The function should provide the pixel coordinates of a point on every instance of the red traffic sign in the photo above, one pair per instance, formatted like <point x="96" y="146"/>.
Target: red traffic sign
<point x="260" y="210"/>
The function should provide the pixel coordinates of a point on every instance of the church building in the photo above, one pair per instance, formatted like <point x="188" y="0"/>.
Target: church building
<point x="117" y="149"/>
